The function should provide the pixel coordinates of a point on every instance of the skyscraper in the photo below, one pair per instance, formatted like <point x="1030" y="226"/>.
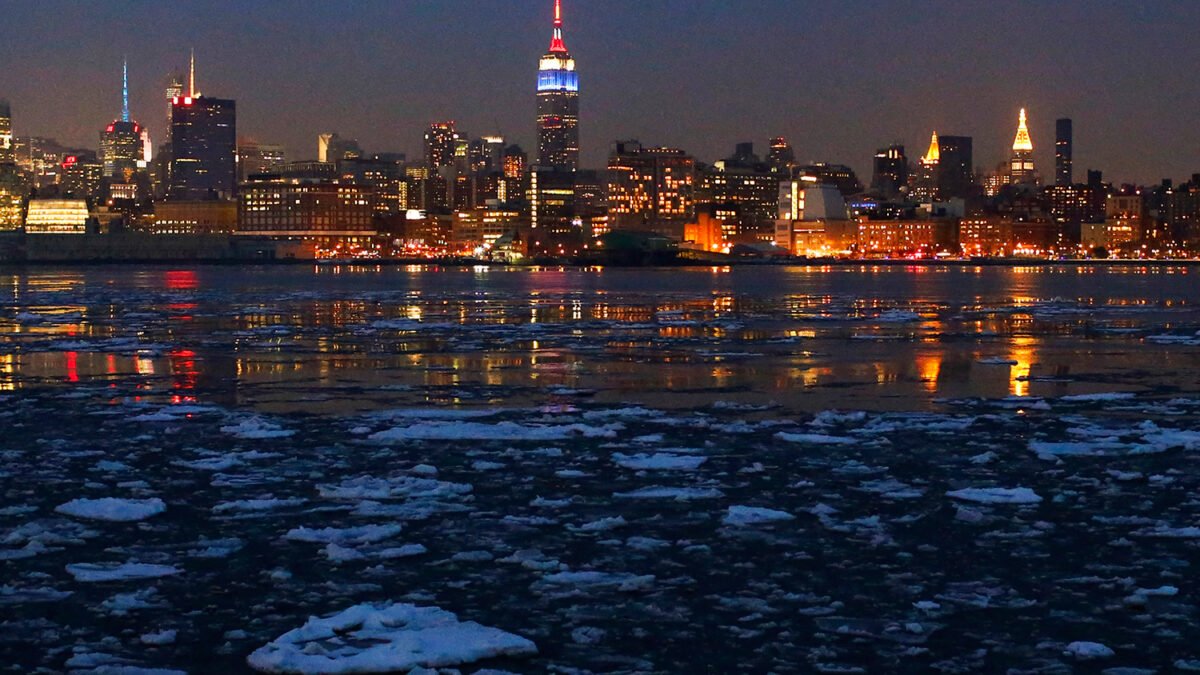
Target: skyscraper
<point x="956" y="168"/>
<point x="558" y="104"/>
<point x="781" y="157"/>
<point x="6" y="135"/>
<point x="203" y="146"/>
<point x="121" y="147"/>
<point x="923" y="183"/>
<point x="1021" y="167"/>
<point x="1062" y="152"/>
<point x="650" y="189"/>
<point x="441" y="142"/>
<point x="890" y="177"/>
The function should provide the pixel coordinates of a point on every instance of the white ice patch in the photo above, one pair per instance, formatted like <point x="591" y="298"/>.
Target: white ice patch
<point x="816" y="439"/>
<point x="1091" y="398"/>
<point x="502" y="431"/>
<point x="660" y="461"/>
<point x="1089" y="650"/>
<point x="663" y="492"/>
<point x="385" y="639"/>
<point x="741" y="516"/>
<point x="93" y="572"/>
<point x="363" y="534"/>
<point x="1018" y="495"/>
<point x="113" y="509"/>
<point x="256" y="428"/>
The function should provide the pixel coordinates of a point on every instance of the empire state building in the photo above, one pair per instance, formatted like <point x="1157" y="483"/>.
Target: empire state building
<point x="558" y="104"/>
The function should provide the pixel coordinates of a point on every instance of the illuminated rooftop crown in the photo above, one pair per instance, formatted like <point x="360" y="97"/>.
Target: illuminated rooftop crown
<point x="1022" y="143"/>
<point x="935" y="153"/>
<point x="556" y="70"/>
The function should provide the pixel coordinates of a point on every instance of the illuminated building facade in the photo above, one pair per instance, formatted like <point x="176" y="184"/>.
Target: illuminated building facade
<point x="206" y="217"/>
<point x="1021" y="166"/>
<point x="255" y="158"/>
<point x="650" y="189"/>
<point x="781" y="158"/>
<point x="890" y="177"/>
<point x="441" y="143"/>
<point x="558" y="104"/>
<point x="923" y="183"/>
<point x="57" y="216"/>
<point x="386" y="178"/>
<point x="7" y="151"/>
<point x="330" y="217"/>
<point x="81" y="179"/>
<point x="475" y="232"/>
<point x="553" y="229"/>
<point x="1063" y="148"/>
<point x="121" y="142"/>
<point x="12" y="197"/>
<point x="203" y="159"/>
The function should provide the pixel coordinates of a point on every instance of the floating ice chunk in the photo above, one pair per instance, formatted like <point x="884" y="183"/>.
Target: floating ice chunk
<point x="620" y="581"/>
<point x="482" y="465"/>
<point x="162" y="637"/>
<point x="984" y="457"/>
<point x="12" y="595"/>
<point x="219" y="463"/>
<point x="996" y="361"/>
<point x="601" y="525"/>
<point x="436" y="413"/>
<point x="1088" y="650"/>
<point x="93" y="572"/>
<point x="570" y="473"/>
<point x="1104" y="396"/>
<point x="663" y="492"/>
<point x="740" y="516"/>
<point x="396" y="487"/>
<point x="588" y="635"/>
<point x="385" y="639"/>
<point x="1068" y="449"/>
<point x="891" y="489"/>
<point x="898" y="316"/>
<point x="660" y="461"/>
<point x="264" y="504"/>
<point x="1162" y="531"/>
<point x="112" y="508"/>
<point x="256" y="428"/>
<point x="1018" y="495"/>
<point x="818" y="439"/>
<point x="362" y="534"/>
<point x="502" y="431"/>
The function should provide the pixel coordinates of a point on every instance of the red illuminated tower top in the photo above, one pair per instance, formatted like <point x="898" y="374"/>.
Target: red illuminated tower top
<point x="556" y="43"/>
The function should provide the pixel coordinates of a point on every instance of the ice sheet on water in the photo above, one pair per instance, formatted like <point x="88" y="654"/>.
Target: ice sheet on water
<point x="385" y="639"/>
<point x="394" y="487"/>
<point x="501" y="431"/>
<point x="741" y="516"/>
<point x="256" y="428"/>
<point x="575" y="581"/>
<point x="664" y="492"/>
<point x="658" y="461"/>
<point x="268" y="503"/>
<point x="815" y="439"/>
<point x="99" y="572"/>
<point x="995" y="495"/>
<point x="361" y="534"/>
<point x="112" y="509"/>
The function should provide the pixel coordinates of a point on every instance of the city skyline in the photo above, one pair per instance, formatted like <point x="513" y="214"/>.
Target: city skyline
<point x="646" y="77"/>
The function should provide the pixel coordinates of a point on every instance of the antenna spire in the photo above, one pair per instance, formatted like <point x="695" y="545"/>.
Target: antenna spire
<point x="557" y="44"/>
<point x="192" y="75"/>
<point x="125" y="90"/>
<point x="1022" y="142"/>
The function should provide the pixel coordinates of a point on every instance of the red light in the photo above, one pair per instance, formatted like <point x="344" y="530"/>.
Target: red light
<point x="70" y="160"/>
<point x="175" y="100"/>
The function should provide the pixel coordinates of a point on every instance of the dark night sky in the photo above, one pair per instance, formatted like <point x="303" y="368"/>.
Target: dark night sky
<point x="837" y="78"/>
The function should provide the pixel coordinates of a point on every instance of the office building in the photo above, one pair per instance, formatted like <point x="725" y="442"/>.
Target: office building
<point x="255" y="158"/>
<point x="79" y="178"/>
<point x="955" y="168"/>
<point x="552" y="223"/>
<point x="331" y="218"/>
<point x="441" y="144"/>
<point x="923" y="183"/>
<point x="1063" y="145"/>
<point x="12" y="197"/>
<point x="650" y="189"/>
<point x="558" y="104"/>
<point x="57" y="216"/>
<point x="203" y="146"/>
<point x="121" y="144"/>
<point x="890" y="177"/>
<point x="781" y="158"/>
<point x="206" y="217"/>
<point x="7" y="153"/>
<point x="1021" y="166"/>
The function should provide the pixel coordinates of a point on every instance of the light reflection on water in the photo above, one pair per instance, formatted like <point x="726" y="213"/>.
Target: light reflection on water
<point x="815" y="336"/>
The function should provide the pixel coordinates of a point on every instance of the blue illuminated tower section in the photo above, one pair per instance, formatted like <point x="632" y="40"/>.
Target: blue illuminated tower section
<point x="558" y="104"/>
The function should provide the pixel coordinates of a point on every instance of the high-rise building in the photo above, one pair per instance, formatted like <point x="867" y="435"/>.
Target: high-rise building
<point x="255" y="158"/>
<point x="650" y="189"/>
<point x="441" y="143"/>
<point x="121" y="144"/>
<point x="203" y="146"/>
<point x="558" y="104"/>
<point x="1062" y="152"/>
<point x="81" y="179"/>
<point x="332" y="148"/>
<point x="956" y="168"/>
<point x="741" y="191"/>
<point x="7" y="153"/>
<point x="923" y="182"/>
<point x="1021" y="166"/>
<point x="12" y="197"/>
<point x="781" y="158"/>
<point x="552" y="222"/>
<point x="890" y="178"/>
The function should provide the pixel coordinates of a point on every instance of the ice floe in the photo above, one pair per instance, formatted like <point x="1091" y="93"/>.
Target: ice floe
<point x="112" y="508"/>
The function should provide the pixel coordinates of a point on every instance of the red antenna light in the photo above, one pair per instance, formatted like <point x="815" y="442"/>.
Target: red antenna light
<point x="556" y="44"/>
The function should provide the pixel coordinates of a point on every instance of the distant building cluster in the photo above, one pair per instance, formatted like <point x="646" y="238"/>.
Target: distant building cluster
<point x="482" y="197"/>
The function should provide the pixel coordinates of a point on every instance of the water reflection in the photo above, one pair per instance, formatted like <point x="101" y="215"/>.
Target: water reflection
<point x="784" y="334"/>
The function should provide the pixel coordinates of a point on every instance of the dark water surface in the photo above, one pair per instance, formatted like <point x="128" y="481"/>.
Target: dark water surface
<point x="726" y="470"/>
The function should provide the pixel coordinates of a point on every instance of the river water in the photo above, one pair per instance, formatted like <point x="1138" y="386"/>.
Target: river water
<point x="748" y="469"/>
